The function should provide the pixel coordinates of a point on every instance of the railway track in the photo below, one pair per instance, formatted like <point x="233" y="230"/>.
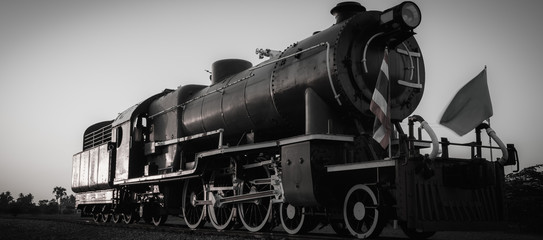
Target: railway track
<point x="176" y="226"/>
<point x="30" y="227"/>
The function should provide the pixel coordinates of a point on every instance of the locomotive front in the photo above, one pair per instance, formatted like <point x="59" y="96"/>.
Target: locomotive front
<point x="344" y="73"/>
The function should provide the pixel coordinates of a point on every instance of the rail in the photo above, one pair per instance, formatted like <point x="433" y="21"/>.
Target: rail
<point x="508" y="151"/>
<point x="192" y="137"/>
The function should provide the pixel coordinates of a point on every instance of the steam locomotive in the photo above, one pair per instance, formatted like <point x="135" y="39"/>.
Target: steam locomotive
<point x="290" y="142"/>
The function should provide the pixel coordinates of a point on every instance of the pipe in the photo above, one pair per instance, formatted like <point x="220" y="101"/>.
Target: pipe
<point x="366" y="49"/>
<point x="435" y="142"/>
<point x="505" y="154"/>
<point x="336" y="95"/>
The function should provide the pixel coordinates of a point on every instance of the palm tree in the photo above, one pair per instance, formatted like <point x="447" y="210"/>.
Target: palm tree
<point x="59" y="193"/>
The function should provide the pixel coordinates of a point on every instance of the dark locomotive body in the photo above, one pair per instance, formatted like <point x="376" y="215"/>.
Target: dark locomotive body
<point x="291" y="135"/>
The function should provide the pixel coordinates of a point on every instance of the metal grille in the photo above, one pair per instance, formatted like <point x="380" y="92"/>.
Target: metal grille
<point x="97" y="137"/>
<point x="473" y="205"/>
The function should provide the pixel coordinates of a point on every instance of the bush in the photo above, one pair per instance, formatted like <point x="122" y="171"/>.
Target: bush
<point x="524" y="198"/>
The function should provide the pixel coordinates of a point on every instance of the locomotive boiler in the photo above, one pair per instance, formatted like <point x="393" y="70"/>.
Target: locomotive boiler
<point x="289" y="142"/>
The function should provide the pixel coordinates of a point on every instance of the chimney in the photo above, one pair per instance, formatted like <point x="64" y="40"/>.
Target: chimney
<point x="344" y="10"/>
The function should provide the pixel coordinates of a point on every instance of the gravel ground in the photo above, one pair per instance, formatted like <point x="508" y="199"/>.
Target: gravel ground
<point x="21" y="228"/>
<point x="25" y="228"/>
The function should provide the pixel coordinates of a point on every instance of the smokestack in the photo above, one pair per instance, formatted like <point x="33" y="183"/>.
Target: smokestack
<point x="344" y="10"/>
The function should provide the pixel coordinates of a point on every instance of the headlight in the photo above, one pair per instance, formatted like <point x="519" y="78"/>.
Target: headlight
<point x="406" y="16"/>
<point x="410" y="14"/>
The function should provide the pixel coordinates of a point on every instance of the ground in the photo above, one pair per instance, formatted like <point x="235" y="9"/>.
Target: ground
<point x="23" y="227"/>
<point x="33" y="229"/>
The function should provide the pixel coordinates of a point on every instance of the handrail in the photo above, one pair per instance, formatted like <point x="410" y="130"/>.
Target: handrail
<point x="192" y="137"/>
<point x="431" y="133"/>
<point x="492" y="134"/>
<point x="474" y="145"/>
<point x="366" y="50"/>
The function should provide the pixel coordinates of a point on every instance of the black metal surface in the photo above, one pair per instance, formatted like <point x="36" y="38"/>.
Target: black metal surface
<point x="238" y="104"/>
<point x="252" y="101"/>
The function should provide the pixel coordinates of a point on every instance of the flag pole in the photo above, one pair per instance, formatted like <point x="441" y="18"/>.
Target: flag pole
<point x="489" y="138"/>
<point x="490" y="142"/>
<point x="391" y="128"/>
<point x="380" y="107"/>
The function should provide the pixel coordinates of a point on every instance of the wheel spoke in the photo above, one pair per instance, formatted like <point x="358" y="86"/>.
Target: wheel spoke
<point x="194" y="215"/>
<point x="255" y="215"/>
<point x="222" y="217"/>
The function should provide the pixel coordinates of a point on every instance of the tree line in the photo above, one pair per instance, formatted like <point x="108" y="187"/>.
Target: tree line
<point x="524" y="198"/>
<point x="60" y="204"/>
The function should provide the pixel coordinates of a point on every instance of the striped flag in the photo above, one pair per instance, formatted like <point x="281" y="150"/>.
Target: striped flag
<point x="379" y="106"/>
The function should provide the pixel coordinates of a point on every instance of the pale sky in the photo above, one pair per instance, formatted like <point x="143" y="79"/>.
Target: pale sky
<point x="65" y="65"/>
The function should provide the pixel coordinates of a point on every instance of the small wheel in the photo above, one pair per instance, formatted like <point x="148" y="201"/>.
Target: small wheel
<point x="87" y="211"/>
<point x="414" y="233"/>
<point x="116" y="218"/>
<point x="335" y="219"/>
<point x="193" y="213"/>
<point x="338" y="225"/>
<point x="361" y="212"/>
<point x="106" y="217"/>
<point x="128" y="218"/>
<point x="159" y="220"/>
<point x="97" y="217"/>
<point x="294" y="219"/>
<point x="136" y="217"/>
<point x="255" y="215"/>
